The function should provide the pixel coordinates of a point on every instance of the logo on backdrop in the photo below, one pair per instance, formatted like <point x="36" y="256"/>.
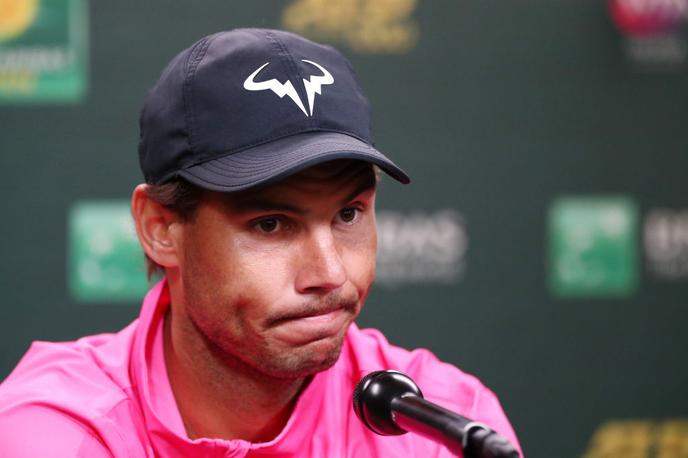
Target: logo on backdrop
<point x="639" y="438"/>
<point x="420" y="247"/>
<point x="646" y="17"/>
<point x="652" y="30"/>
<point x="43" y="51"/>
<point x="593" y="248"/>
<point x="313" y="86"/>
<point x="365" y="26"/>
<point x="666" y="243"/>
<point x="105" y="258"/>
<point x="594" y="245"/>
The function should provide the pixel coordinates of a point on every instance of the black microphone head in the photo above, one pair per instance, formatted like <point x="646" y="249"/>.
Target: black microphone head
<point x="373" y="399"/>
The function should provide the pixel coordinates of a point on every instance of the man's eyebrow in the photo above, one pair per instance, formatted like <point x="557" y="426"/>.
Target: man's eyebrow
<point x="268" y="204"/>
<point x="264" y="204"/>
<point x="362" y="187"/>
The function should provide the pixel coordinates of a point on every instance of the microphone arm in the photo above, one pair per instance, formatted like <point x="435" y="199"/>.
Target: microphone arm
<point x="390" y="403"/>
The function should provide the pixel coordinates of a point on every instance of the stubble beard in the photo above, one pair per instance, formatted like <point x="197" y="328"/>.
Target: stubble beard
<point x="240" y="349"/>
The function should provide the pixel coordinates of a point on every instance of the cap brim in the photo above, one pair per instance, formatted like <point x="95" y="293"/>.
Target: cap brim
<point x="274" y="161"/>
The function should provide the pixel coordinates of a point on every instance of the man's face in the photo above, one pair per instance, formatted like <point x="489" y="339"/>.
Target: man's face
<point x="273" y="278"/>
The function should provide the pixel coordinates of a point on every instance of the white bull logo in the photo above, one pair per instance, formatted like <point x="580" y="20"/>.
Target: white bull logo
<point x="313" y="86"/>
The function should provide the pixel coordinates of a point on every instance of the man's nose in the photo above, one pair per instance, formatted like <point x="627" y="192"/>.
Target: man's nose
<point x="321" y="268"/>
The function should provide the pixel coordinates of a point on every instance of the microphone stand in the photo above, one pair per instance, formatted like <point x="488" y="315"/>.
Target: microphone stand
<point x="457" y="433"/>
<point x="390" y="403"/>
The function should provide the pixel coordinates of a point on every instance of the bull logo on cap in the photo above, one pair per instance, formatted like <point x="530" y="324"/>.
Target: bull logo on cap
<point x="313" y="86"/>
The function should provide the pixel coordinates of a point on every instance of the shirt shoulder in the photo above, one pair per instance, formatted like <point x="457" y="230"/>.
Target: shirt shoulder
<point x="29" y="431"/>
<point x="72" y="373"/>
<point x="441" y="383"/>
<point x="437" y="379"/>
<point x="67" y="390"/>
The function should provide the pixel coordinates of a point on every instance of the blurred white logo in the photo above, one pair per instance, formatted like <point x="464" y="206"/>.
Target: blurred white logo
<point x="420" y="247"/>
<point x="666" y="243"/>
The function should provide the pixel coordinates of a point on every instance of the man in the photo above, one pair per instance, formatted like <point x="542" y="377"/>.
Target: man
<point x="259" y="209"/>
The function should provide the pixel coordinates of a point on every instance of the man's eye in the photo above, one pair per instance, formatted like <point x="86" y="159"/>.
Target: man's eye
<point x="348" y="215"/>
<point x="268" y="225"/>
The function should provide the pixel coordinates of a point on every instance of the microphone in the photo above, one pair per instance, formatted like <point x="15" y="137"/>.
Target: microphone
<point x="390" y="403"/>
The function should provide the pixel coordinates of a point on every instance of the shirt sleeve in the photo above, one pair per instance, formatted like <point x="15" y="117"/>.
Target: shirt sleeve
<point x="488" y="410"/>
<point x="32" y="431"/>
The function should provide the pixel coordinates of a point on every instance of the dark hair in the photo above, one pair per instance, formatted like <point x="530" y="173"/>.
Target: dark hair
<point x="179" y="196"/>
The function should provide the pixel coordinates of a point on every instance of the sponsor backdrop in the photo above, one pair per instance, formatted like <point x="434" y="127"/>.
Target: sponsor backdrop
<point x="543" y="245"/>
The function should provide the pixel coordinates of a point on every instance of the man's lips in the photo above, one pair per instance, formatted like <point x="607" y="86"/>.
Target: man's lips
<point x="304" y="326"/>
<point x="310" y="312"/>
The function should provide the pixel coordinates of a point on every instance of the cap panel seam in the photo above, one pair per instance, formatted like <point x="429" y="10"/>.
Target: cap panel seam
<point x="195" y="57"/>
<point x="300" y="89"/>
<point x="282" y="50"/>
<point x="358" y="83"/>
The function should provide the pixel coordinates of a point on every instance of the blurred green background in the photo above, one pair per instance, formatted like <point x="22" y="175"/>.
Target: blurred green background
<point x="543" y="243"/>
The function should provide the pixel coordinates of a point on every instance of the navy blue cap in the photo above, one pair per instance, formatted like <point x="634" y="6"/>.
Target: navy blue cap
<point x="250" y="107"/>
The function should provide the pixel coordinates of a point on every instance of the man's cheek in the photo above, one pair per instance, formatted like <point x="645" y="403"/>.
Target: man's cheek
<point x="361" y="267"/>
<point x="264" y="279"/>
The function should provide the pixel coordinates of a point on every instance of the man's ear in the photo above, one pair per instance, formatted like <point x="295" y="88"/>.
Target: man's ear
<point x="158" y="229"/>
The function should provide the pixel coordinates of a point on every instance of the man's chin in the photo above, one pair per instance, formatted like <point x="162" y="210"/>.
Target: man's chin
<point x="315" y="357"/>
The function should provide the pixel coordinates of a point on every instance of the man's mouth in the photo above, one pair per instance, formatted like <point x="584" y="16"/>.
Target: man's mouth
<point x="313" y="323"/>
<point x="314" y="310"/>
<point x="311" y="312"/>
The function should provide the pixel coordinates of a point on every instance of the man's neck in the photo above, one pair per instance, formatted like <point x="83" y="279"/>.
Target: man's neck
<point x="223" y="399"/>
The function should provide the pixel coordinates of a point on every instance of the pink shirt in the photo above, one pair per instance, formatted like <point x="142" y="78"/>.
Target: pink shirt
<point x="109" y="395"/>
